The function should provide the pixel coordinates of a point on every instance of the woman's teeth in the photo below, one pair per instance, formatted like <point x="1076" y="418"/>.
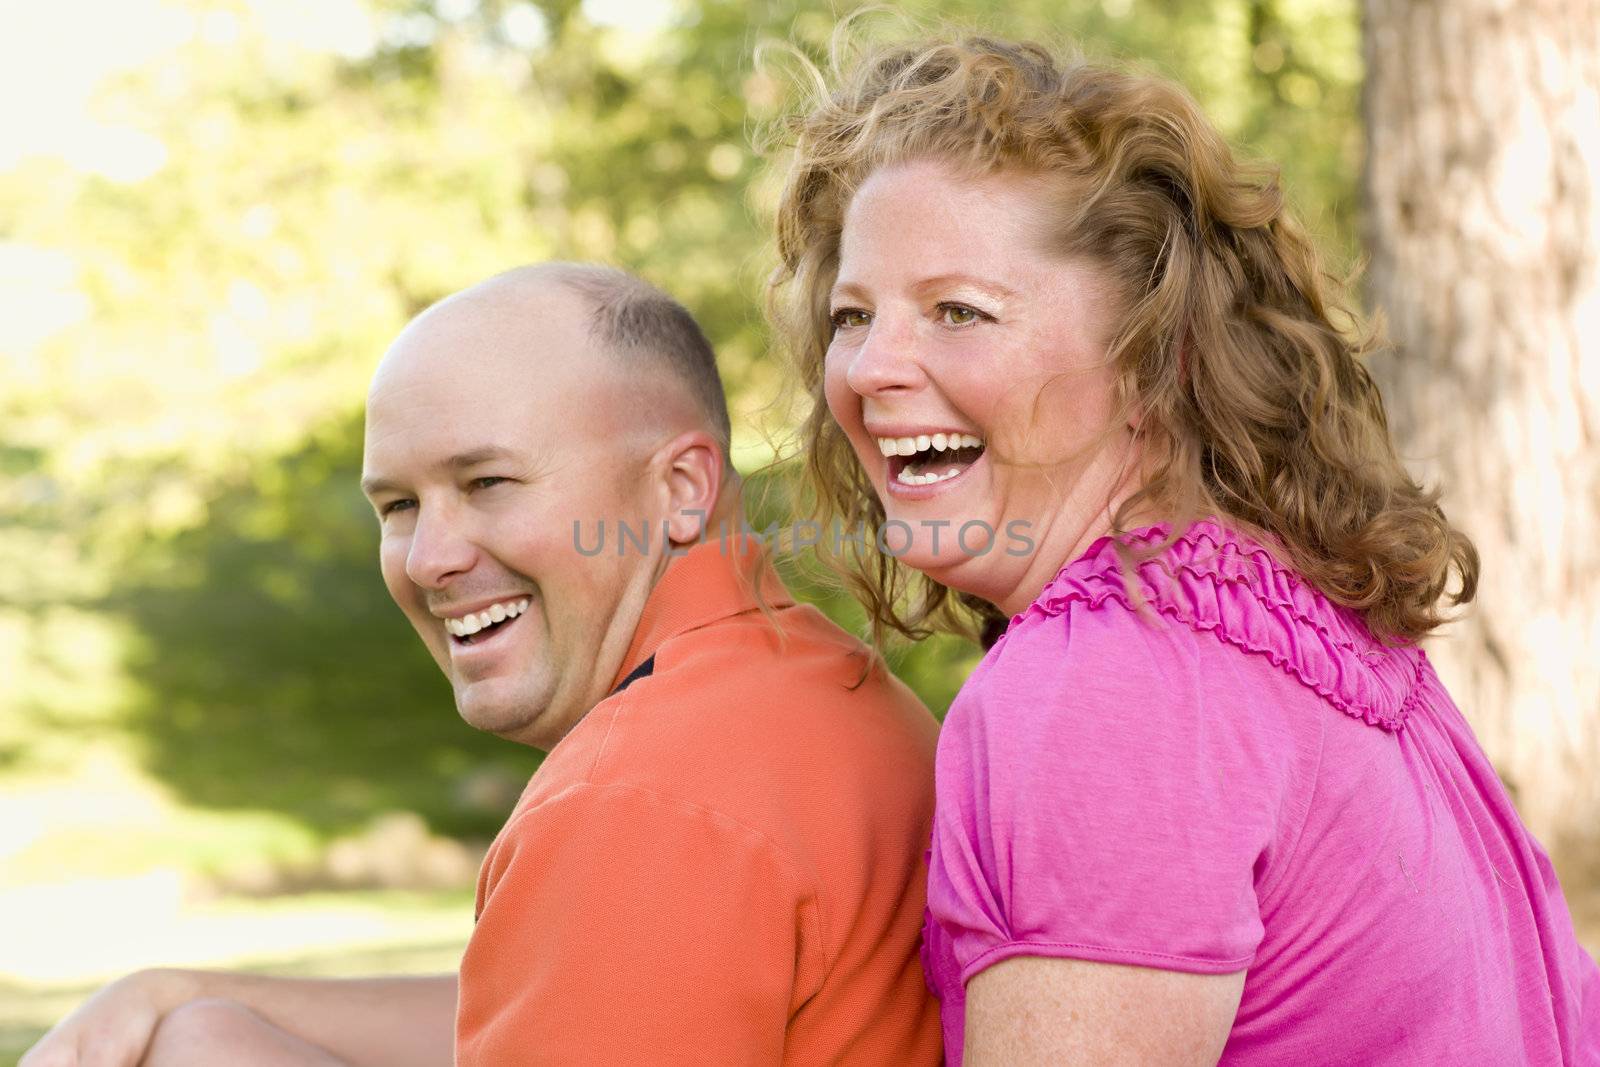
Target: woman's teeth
<point x="905" y="477"/>
<point x="938" y="442"/>
<point x="930" y="458"/>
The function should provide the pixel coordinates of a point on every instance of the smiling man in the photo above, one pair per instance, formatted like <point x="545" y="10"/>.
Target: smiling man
<point x="720" y="859"/>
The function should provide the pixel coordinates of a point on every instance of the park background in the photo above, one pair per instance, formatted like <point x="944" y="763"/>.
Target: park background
<point x="219" y="741"/>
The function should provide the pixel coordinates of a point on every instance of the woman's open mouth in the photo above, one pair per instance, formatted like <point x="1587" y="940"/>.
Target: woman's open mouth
<point x="928" y="459"/>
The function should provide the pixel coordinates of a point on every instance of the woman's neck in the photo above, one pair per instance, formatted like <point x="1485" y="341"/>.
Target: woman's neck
<point x="1076" y="526"/>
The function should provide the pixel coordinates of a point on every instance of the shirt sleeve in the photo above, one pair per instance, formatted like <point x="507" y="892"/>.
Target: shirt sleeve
<point x="622" y="926"/>
<point x="1105" y="794"/>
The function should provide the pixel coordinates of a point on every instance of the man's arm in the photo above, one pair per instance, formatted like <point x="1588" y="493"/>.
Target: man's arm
<point x="405" y="1022"/>
<point x="1033" y="1010"/>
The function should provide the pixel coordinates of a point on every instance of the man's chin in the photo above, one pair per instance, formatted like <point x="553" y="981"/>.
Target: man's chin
<point x="496" y="707"/>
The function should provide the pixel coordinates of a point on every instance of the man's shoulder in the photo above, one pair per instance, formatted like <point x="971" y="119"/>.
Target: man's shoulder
<point x="749" y="715"/>
<point x="755" y="676"/>
<point x="782" y="657"/>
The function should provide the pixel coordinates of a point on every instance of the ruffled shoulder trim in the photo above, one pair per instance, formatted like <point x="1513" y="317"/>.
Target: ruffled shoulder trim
<point x="1218" y="582"/>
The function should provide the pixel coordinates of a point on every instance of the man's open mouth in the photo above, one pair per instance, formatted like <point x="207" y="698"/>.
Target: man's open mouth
<point x="478" y="626"/>
<point x="929" y="458"/>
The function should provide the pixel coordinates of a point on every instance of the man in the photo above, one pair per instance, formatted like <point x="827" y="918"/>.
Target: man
<point x="720" y="860"/>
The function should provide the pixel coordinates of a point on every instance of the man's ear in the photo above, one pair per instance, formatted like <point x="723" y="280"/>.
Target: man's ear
<point x="692" y="472"/>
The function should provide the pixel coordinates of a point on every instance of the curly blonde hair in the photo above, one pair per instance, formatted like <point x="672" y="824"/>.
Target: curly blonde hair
<point x="1243" y="356"/>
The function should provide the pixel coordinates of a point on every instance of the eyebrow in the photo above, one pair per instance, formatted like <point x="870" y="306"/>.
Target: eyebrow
<point x="458" y="462"/>
<point x="851" y="289"/>
<point x="485" y="454"/>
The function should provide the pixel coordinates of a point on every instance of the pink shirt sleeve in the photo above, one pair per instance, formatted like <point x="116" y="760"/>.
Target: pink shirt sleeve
<point x="1109" y="789"/>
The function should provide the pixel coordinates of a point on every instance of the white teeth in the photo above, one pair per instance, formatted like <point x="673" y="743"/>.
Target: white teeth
<point x="939" y="442"/>
<point x="467" y="625"/>
<point x="905" y="477"/>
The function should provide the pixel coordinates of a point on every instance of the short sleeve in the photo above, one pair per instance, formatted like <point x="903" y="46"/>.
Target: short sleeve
<point x="1105" y="793"/>
<point x="621" y="926"/>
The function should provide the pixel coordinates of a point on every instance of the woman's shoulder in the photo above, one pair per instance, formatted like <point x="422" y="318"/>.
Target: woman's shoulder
<point x="1211" y="590"/>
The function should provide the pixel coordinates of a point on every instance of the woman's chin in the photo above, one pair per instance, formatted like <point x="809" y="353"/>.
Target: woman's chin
<point x="929" y="562"/>
<point x="966" y="554"/>
<point x="949" y="565"/>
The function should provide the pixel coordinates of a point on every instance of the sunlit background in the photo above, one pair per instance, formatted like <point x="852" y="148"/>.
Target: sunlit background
<point x="219" y="743"/>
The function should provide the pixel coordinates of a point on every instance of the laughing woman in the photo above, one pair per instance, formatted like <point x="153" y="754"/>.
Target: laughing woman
<point x="1204" y="799"/>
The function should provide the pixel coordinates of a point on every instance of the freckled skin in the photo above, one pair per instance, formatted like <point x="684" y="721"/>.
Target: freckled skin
<point x="1030" y="1010"/>
<point x="948" y="313"/>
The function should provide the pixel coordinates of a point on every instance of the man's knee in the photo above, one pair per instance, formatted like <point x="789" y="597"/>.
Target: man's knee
<point x="214" y="1031"/>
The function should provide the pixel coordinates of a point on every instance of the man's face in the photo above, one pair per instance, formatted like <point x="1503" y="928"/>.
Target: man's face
<point x="491" y="429"/>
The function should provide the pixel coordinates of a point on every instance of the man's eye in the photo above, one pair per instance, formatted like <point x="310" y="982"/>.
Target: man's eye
<point x="845" y="318"/>
<point x="397" y="505"/>
<point x="487" y="481"/>
<point x="960" y="314"/>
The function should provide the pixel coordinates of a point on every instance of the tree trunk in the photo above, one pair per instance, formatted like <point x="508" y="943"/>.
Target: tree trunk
<point x="1482" y="203"/>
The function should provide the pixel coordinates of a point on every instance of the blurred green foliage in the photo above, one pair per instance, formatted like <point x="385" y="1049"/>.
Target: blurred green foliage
<point x="184" y="556"/>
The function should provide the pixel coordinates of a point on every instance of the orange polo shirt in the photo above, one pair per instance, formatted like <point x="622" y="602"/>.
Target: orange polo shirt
<point x="722" y="863"/>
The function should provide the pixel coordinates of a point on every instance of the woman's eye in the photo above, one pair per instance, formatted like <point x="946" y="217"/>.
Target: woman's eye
<point x="960" y="314"/>
<point x="845" y="318"/>
<point x="487" y="481"/>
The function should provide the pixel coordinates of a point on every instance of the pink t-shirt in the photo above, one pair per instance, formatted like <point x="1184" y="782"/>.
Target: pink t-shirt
<point x="1240" y="778"/>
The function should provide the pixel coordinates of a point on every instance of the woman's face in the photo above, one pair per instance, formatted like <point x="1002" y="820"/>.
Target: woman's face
<point x="968" y="368"/>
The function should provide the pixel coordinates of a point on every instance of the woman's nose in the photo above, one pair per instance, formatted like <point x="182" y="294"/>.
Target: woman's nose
<point x="886" y="362"/>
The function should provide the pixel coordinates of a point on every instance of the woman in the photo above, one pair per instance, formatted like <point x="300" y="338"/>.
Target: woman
<point x="1204" y="799"/>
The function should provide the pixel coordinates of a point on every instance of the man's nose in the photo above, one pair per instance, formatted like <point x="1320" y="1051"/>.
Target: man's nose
<point x="886" y="363"/>
<point x="440" y="548"/>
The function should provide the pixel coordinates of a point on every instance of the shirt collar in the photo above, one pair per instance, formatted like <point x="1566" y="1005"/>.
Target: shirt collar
<point x="713" y="580"/>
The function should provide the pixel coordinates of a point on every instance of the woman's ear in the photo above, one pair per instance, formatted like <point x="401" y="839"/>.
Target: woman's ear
<point x="692" y="470"/>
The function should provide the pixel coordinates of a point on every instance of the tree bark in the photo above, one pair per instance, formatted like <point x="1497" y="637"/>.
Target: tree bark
<point x="1482" y="215"/>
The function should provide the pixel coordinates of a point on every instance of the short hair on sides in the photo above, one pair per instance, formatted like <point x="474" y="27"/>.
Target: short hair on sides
<point x="633" y="318"/>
